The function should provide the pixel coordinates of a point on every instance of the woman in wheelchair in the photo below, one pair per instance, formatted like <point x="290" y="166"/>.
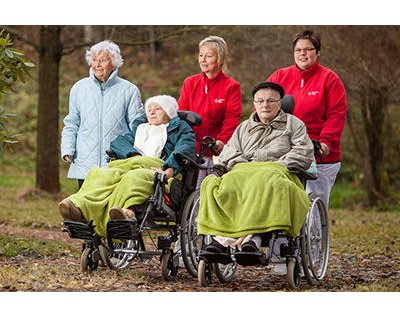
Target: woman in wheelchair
<point x="258" y="194"/>
<point x="129" y="180"/>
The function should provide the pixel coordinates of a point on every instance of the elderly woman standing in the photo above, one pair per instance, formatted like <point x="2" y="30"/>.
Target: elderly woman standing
<point x="101" y="107"/>
<point x="320" y="102"/>
<point x="213" y="95"/>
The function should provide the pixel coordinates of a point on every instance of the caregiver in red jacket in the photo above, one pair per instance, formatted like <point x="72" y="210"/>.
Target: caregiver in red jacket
<point x="320" y="102"/>
<point x="213" y="95"/>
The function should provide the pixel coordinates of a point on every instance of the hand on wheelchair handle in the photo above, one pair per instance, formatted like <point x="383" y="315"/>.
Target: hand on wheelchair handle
<point x="216" y="150"/>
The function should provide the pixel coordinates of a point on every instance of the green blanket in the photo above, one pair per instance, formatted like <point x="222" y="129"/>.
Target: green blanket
<point x="127" y="182"/>
<point x="253" y="197"/>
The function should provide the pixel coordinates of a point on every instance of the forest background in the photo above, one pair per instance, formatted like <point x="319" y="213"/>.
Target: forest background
<point x="157" y="58"/>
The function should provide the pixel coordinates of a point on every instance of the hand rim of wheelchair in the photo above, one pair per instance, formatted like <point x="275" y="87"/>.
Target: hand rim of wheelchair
<point x="314" y="273"/>
<point x="119" y="261"/>
<point x="190" y="250"/>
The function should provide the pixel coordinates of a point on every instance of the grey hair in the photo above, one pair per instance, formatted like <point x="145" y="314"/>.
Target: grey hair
<point x="221" y="48"/>
<point x="110" y="48"/>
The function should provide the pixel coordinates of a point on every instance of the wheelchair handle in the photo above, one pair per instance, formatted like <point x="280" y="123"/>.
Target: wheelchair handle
<point x="207" y="142"/>
<point x="317" y="149"/>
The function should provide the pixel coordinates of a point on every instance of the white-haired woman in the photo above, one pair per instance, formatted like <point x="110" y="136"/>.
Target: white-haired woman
<point x="213" y="95"/>
<point x="129" y="181"/>
<point x="101" y="107"/>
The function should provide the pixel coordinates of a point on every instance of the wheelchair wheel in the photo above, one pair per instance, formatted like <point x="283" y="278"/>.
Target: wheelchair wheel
<point x="204" y="273"/>
<point x="168" y="269"/>
<point x="119" y="260"/>
<point x="314" y="241"/>
<point x="89" y="259"/>
<point x="224" y="272"/>
<point x="293" y="274"/>
<point x="190" y="241"/>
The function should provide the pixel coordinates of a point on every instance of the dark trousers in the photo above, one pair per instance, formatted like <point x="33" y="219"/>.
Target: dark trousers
<point x="80" y="182"/>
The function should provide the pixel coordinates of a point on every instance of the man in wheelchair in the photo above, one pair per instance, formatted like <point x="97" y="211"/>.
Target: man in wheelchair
<point x="129" y="180"/>
<point x="258" y="194"/>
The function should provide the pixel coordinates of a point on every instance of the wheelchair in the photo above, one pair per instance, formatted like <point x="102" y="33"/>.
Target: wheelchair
<point x="169" y="217"/>
<point x="305" y="255"/>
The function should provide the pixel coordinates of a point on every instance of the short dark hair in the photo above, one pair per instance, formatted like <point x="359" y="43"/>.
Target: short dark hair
<point x="314" y="38"/>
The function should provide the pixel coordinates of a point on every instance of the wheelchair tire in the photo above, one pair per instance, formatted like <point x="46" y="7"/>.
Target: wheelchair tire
<point x="118" y="261"/>
<point x="204" y="273"/>
<point x="89" y="262"/>
<point x="190" y="241"/>
<point x="168" y="270"/>
<point x="293" y="274"/>
<point x="314" y="243"/>
<point x="225" y="272"/>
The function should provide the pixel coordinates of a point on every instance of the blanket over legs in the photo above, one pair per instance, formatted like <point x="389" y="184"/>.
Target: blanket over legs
<point x="252" y="198"/>
<point x="127" y="182"/>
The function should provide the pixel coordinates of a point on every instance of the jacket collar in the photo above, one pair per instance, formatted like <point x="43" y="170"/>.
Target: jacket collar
<point x="279" y="122"/>
<point x="216" y="78"/>
<point x="305" y="74"/>
<point x="110" y="81"/>
<point x="173" y="123"/>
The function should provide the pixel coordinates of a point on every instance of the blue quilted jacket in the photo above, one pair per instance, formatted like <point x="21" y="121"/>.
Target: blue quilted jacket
<point x="98" y="113"/>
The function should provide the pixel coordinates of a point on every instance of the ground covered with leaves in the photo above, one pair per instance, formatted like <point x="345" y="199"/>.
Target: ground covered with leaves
<point x="47" y="260"/>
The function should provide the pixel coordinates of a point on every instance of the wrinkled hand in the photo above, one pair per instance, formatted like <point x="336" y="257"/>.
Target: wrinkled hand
<point x="67" y="158"/>
<point x="219" y="146"/>
<point x="169" y="172"/>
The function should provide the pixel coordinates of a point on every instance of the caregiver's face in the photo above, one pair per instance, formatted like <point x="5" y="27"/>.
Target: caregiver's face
<point x="156" y="115"/>
<point x="305" y="54"/>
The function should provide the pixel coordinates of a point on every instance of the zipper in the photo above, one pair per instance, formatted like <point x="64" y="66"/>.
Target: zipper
<point x="206" y="89"/>
<point x="302" y="83"/>
<point x="101" y="125"/>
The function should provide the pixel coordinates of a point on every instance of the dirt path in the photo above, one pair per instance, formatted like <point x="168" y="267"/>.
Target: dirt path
<point x="345" y="273"/>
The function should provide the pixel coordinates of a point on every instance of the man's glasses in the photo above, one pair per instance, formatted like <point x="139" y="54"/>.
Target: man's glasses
<point x="306" y="50"/>
<point x="268" y="102"/>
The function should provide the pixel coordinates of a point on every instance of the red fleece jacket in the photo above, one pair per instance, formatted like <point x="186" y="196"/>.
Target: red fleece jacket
<point x="219" y="102"/>
<point x="320" y="102"/>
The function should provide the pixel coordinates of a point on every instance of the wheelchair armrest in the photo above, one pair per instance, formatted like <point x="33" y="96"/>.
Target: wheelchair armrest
<point x="301" y="173"/>
<point x="220" y="169"/>
<point x="187" y="161"/>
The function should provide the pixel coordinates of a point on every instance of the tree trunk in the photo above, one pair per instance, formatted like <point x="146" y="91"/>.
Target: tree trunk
<point x="373" y="107"/>
<point x="47" y="155"/>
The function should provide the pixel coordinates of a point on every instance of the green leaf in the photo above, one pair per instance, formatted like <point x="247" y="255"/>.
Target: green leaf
<point x="29" y="64"/>
<point x="9" y="53"/>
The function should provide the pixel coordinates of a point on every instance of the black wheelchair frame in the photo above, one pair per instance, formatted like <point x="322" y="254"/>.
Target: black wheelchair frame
<point x="125" y="242"/>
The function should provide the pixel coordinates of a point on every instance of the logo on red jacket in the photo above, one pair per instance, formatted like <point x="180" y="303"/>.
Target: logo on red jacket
<point x="219" y="100"/>
<point x="312" y="93"/>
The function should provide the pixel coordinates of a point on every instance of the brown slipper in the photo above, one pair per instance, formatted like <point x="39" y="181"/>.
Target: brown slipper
<point x="70" y="211"/>
<point x="117" y="212"/>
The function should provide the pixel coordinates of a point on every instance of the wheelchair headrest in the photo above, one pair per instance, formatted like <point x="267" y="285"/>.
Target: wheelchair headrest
<point x="288" y="104"/>
<point x="192" y="118"/>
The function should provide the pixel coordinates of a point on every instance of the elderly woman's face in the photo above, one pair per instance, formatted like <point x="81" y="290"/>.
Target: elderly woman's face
<point x="305" y="54"/>
<point x="208" y="61"/>
<point x="268" y="103"/>
<point x="102" y="66"/>
<point x="156" y="115"/>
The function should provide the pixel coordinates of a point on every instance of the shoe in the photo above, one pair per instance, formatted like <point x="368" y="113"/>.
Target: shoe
<point x="249" y="246"/>
<point x="280" y="269"/>
<point x="70" y="211"/>
<point x="117" y="212"/>
<point x="216" y="247"/>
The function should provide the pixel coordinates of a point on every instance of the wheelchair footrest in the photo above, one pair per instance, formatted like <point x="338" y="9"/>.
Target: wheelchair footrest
<point x="122" y="229"/>
<point x="250" y="258"/>
<point x="213" y="257"/>
<point x="79" y="230"/>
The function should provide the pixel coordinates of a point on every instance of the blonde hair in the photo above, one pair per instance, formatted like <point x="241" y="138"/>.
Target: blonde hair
<point x="220" y="46"/>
